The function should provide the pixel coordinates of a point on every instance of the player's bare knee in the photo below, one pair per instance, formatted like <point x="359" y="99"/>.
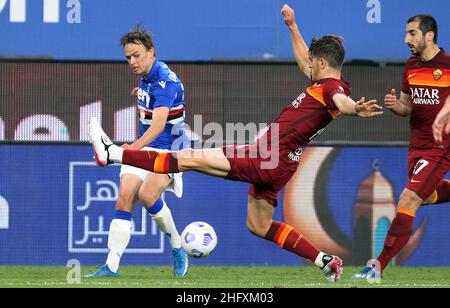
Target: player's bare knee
<point x="124" y="203"/>
<point x="147" y="197"/>
<point x="409" y="200"/>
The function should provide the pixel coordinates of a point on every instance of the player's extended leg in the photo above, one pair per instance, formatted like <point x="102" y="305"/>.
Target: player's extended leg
<point x="211" y="161"/>
<point x="260" y="223"/>
<point x="150" y="194"/>
<point x="440" y="195"/>
<point x="120" y="227"/>
<point x="398" y="234"/>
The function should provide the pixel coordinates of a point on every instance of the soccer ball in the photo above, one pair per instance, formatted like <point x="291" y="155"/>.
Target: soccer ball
<point x="198" y="239"/>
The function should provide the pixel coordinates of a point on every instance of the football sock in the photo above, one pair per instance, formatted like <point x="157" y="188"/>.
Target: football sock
<point x="442" y="192"/>
<point x="156" y="207"/>
<point x="162" y="215"/>
<point x="398" y="235"/>
<point x="159" y="162"/>
<point x="118" y="239"/>
<point x="288" y="238"/>
<point x="323" y="259"/>
<point x="115" y="153"/>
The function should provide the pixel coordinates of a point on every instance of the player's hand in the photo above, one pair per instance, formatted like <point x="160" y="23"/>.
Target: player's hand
<point x="126" y="146"/>
<point x="441" y="125"/>
<point x="390" y="100"/>
<point x="368" y="109"/>
<point x="288" y="14"/>
<point x="134" y="92"/>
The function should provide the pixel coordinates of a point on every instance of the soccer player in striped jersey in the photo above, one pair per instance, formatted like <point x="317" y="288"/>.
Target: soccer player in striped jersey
<point x="294" y="128"/>
<point x="425" y="86"/>
<point x="160" y="100"/>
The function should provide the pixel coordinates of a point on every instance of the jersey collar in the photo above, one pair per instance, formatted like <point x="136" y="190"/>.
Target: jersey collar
<point x="153" y="71"/>
<point x="441" y="51"/>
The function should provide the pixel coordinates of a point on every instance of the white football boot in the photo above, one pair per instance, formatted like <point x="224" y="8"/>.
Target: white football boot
<point x="101" y="143"/>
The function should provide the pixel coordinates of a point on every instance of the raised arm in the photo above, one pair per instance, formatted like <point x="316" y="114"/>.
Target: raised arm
<point x="298" y="44"/>
<point x="360" y="108"/>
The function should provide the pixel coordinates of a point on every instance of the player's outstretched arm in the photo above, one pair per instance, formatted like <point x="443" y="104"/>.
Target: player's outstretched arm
<point x="160" y="115"/>
<point x="441" y="123"/>
<point x="298" y="44"/>
<point x="401" y="107"/>
<point x="360" y="108"/>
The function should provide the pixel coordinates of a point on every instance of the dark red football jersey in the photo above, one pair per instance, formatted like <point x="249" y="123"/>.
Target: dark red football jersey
<point x="309" y="113"/>
<point x="428" y="83"/>
<point x="271" y="168"/>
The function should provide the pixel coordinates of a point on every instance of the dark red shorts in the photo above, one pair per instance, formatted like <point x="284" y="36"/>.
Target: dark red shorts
<point x="266" y="179"/>
<point x="425" y="171"/>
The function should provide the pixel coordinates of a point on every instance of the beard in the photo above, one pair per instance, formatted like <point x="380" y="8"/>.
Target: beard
<point x="417" y="51"/>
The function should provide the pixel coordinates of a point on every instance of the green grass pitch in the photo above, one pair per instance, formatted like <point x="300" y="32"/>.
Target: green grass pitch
<point x="220" y="277"/>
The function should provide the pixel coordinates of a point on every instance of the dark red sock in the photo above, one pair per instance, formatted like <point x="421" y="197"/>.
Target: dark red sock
<point x="442" y="192"/>
<point x="288" y="238"/>
<point x="398" y="235"/>
<point x="159" y="162"/>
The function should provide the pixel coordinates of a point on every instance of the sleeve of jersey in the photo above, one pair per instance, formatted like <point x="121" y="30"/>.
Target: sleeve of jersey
<point x="331" y="88"/>
<point x="405" y="84"/>
<point x="164" y="97"/>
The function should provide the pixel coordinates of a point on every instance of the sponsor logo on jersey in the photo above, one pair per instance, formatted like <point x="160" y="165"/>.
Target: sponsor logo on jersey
<point x="143" y="97"/>
<point x="425" y="96"/>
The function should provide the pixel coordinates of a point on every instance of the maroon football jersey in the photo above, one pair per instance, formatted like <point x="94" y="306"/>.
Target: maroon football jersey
<point x="309" y="113"/>
<point x="294" y="128"/>
<point x="428" y="83"/>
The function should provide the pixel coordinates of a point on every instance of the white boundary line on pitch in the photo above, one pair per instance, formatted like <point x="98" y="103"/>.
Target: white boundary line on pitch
<point x="193" y="283"/>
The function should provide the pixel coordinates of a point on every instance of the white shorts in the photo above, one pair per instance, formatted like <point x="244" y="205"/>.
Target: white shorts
<point x="176" y="183"/>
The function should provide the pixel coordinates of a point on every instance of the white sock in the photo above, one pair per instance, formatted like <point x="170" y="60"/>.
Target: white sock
<point x="319" y="261"/>
<point x="115" y="153"/>
<point x="165" y="222"/>
<point x="118" y="239"/>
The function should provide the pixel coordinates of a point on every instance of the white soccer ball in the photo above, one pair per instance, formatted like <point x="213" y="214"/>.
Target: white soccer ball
<point x="198" y="239"/>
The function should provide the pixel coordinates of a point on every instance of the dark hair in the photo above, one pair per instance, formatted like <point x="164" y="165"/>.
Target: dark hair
<point x="330" y="47"/>
<point x="137" y="36"/>
<point x="427" y="23"/>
